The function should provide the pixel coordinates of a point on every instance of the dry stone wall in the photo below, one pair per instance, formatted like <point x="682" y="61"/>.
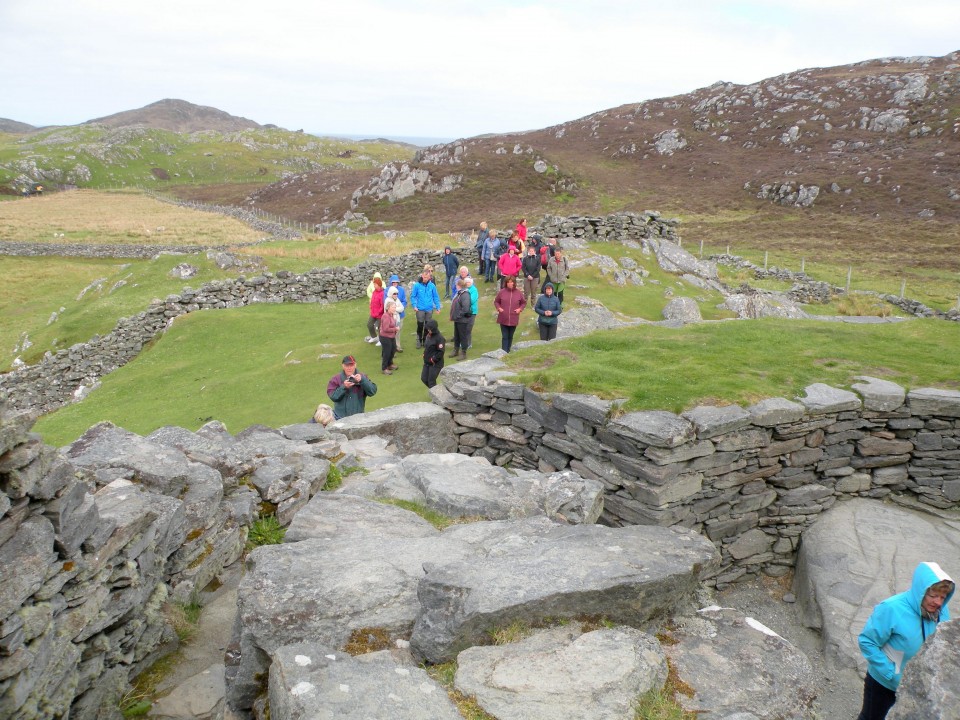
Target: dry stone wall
<point x="66" y="375"/>
<point x="96" y="539"/>
<point x="751" y="479"/>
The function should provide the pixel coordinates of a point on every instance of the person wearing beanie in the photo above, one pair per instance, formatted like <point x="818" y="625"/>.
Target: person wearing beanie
<point x="434" y="347"/>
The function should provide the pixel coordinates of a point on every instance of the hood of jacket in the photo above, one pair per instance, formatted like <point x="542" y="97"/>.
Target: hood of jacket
<point x="927" y="574"/>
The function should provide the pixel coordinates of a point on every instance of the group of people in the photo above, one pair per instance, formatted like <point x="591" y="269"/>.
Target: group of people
<point x="530" y="273"/>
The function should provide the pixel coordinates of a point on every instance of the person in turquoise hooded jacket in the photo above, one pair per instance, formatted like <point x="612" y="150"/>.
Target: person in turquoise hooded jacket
<point x="896" y="630"/>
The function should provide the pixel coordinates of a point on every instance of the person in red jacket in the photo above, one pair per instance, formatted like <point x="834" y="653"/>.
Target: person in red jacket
<point x="509" y="303"/>
<point x="376" y="312"/>
<point x="388" y="337"/>
<point x="509" y="265"/>
<point x="522" y="230"/>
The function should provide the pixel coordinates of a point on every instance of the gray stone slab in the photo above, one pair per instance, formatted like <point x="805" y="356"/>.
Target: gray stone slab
<point x="412" y="427"/>
<point x="821" y="399"/>
<point x="629" y="575"/>
<point x="879" y="395"/>
<point x="340" y="517"/>
<point x="737" y="665"/>
<point x="775" y="411"/>
<point x="311" y="682"/>
<point x="563" y="673"/>
<point x="934" y="401"/>
<point x="931" y="681"/>
<point x="654" y="427"/>
<point x="711" y="420"/>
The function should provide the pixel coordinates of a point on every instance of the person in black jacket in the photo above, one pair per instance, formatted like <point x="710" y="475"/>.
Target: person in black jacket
<point x="433" y="348"/>
<point x="460" y="314"/>
<point x="530" y="269"/>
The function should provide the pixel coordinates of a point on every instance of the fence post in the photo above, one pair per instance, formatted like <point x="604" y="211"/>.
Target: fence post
<point x="903" y="288"/>
<point x="766" y="254"/>
<point x="803" y="264"/>
<point x="849" y="276"/>
<point x="701" y="247"/>
<point x="728" y="249"/>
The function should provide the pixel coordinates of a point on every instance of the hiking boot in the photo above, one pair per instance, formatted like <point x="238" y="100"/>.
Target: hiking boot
<point x="419" y="344"/>
<point x="388" y="371"/>
<point x="391" y="366"/>
<point x="399" y="349"/>
<point x="463" y="356"/>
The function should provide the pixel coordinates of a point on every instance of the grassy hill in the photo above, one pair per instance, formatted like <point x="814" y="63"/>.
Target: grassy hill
<point x="96" y="156"/>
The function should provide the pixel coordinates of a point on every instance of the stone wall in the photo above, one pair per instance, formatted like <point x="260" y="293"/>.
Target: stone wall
<point x="97" y="541"/>
<point x="66" y="375"/>
<point x="623" y="226"/>
<point x="750" y="479"/>
<point x="807" y="290"/>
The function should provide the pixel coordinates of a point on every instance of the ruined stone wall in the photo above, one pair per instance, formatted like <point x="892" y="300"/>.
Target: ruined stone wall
<point x="63" y="376"/>
<point x="750" y="479"/>
<point x="100" y="539"/>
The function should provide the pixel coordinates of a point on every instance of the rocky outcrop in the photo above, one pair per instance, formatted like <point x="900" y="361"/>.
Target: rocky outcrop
<point x="393" y="184"/>
<point x="931" y="682"/>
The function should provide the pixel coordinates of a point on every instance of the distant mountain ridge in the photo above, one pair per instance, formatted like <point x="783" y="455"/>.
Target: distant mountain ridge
<point x="13" y="126"/>
<point x="177" y="116"/>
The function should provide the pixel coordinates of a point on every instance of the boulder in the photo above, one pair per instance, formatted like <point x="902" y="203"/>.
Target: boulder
<point x="629" y="575"/>
<point x="412" y="427"/>
<point x="340" y="518"/>
<point x="858" y="553"/>
<point x="930" y="687"/>
<point x="735" y="664"/>
<point x="563" y="672"/>
<point x="683" y="309"/>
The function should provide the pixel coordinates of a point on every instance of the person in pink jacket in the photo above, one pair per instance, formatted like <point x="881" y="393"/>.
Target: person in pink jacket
<point x="509" y="265"/>
<point x="509" y="303"/>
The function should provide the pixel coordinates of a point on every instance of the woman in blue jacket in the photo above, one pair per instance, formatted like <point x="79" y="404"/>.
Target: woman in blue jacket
<point x="896" y="630"/>
<point x="547" y="310"/>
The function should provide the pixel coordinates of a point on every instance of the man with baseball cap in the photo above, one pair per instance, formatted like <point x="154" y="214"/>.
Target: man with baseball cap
<point x="349" y="389"/>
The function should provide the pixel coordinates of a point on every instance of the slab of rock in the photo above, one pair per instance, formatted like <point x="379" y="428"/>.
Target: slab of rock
<point x="311" y="682"/>
<point x="735" y="665"/>
<point x="629" y="575"/>
<point x="654" y="427"/>
<point x="459" y="485"/>
<point x="413" y="427"/>
<point x="564" y="673"/>
<point x="473" y="371"/>
<point x="930" y="687"/>
<point x="711" y="420"/>
<point x="340" y="518"/>
<point x="879" y="395"/>
<point x="934" y="401"/>
<point x="159" y="467"/>
<point x="775" y="411"/>
<point x="821" y="399"/>
<point x="858" y="553"/>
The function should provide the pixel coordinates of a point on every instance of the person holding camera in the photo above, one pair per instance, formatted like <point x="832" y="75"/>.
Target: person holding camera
<point x="349" y="389"/>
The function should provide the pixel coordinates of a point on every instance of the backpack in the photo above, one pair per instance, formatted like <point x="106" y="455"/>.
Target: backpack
<point x="543" y="255"/>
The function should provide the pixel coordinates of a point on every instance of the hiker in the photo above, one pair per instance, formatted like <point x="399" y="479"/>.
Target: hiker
<point x="460" y="317"/>
<point x="388" y="337"/>
<point x="489" y="254"/>
<point x="376" y="311"/>
<point x="530" y="269"/>
<point x="433" y="349"/>
<point x="558" y="271"/>
<point x="349" y="389"/>
<point x="425" y="300"/>
<point x="547" y="310"/>
<point x="896" y="630"/>
<point x="509" y="265"/>
<point x="521" y="231"/>
<point x="481" y="239"/>
<point x="474" y="309"/>
<point x="451" y="265"/>
<point x="509" y="303"/>
<point x="370" y="287"/>
<point x="399" y="293"/>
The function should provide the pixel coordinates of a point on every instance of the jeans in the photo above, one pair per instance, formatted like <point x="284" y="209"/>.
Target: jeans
<point x="490" y="271"/>
<point x="877" y="700"/>
<point x="450" y="280"/>
<point x="506" y="336"/>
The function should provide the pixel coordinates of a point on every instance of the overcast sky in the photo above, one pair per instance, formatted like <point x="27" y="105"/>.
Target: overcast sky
<point x="428" y="68"/>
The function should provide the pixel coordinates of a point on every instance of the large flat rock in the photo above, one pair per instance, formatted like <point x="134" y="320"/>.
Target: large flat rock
<point x="858" y="553"/>
<point x="420" y="427"/>
<point x="311" y="682"/>
<point x="563" y="672"/>
<point x="629" y="575"/>
<point x="737" y="665"/>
